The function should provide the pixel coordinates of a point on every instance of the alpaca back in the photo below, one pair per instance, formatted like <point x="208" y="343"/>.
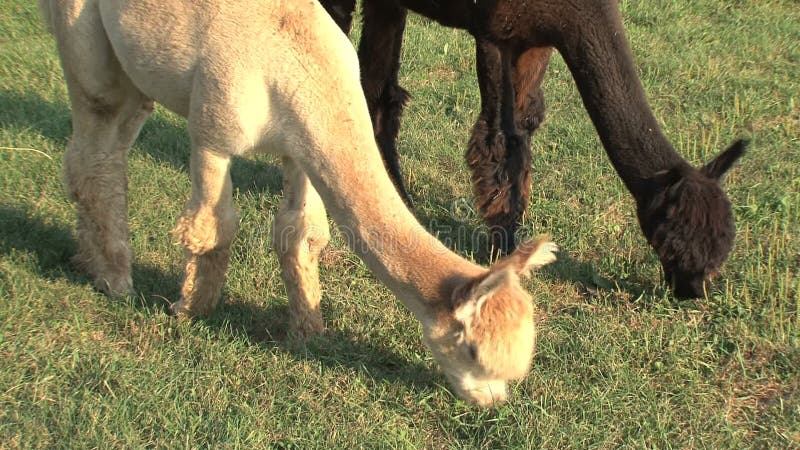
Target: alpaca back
<point x="245" y="57"/>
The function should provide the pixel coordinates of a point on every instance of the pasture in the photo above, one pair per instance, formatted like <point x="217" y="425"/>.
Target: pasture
<point x="619" y="362"/>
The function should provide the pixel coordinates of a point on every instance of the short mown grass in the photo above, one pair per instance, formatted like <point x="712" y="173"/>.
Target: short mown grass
<point x="620" y="362"/>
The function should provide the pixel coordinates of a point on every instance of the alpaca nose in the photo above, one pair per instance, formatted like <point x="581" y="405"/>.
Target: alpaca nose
<point x="686" y="285"/>
<point x="486" y="393"/>
<point x="692" y="287"/>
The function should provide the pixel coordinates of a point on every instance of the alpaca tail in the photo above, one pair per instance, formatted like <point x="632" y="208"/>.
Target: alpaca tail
<point x="44" y="8"/>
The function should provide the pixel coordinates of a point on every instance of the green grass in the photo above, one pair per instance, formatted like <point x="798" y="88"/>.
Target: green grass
<point x="620" y="363"/>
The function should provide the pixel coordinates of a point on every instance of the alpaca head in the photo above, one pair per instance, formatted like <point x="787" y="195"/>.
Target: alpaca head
<point x="688" y="221"/>
<point x="486" y="336"/>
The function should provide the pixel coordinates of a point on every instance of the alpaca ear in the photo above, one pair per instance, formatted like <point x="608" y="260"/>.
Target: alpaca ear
<point x="673" y="191"/>
<point x="717" y="167"/>
<point x="469" y="307"/>
<point x="530" y="255"/>
<point x="662" y="180"/>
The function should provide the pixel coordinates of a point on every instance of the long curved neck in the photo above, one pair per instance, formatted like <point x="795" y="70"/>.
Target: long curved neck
<point x="344" y="165"/>
<point x="600" y="59"/>
<point x="591" y="39"/>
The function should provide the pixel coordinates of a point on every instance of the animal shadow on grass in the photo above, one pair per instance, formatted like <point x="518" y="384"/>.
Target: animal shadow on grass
<point x="52" y="245"/>
<point x="267" y="327"/>
<point x="163" y="138"/>
<point x="455" y="227"/>
<point x="593" y="286"/>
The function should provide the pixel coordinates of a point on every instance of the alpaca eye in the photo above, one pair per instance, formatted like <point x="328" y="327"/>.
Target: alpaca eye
<point x="473" y="352"/>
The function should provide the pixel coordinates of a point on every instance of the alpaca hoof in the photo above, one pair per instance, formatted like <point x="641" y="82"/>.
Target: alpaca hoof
<point x="114" y="285"/>
<point x="118" y="286"/>
<point x="178" y="309"/>
<point x="308" y="330"/>
<point x="184" y="309"/>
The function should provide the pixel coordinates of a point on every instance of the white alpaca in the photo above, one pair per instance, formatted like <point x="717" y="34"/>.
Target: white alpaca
<point x="276" y="76"/>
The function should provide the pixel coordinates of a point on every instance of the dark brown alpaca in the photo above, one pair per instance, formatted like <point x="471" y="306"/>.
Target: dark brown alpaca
<point x="683" y="212"/>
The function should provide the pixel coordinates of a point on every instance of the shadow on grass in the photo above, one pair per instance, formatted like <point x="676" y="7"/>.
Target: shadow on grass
<point x="460" y="235"/>
<point x="592" y="285"/>
<point x="53" y="246"/>
<point x="164" y="140"/>
<point x="268" y="328"/>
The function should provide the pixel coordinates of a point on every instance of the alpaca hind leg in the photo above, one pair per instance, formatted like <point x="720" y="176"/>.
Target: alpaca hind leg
<point x="95" y="176"/>
<point x="379" y="56"/>
<point x="299" y="235"/>
<point x="206" y="229"/>
<point x="107" y="114"/>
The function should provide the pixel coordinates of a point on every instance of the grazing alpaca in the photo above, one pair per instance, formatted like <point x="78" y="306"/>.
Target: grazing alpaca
<point x="683" y="212"/>
<point x="304" y="103"/>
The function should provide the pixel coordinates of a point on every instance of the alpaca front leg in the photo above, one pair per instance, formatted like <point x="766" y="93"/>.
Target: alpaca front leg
<point x="496" y="153"/>
<point x="499" y="155"/>
<point x="299" y="234"/>
<point x="206" y="229"/>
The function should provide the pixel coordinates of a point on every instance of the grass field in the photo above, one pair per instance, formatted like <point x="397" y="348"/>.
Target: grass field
<point x="620" y="362"/>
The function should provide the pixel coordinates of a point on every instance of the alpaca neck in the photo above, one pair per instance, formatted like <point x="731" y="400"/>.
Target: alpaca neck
<point x="601" y="62"/>
<point x="344" y="165"/>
